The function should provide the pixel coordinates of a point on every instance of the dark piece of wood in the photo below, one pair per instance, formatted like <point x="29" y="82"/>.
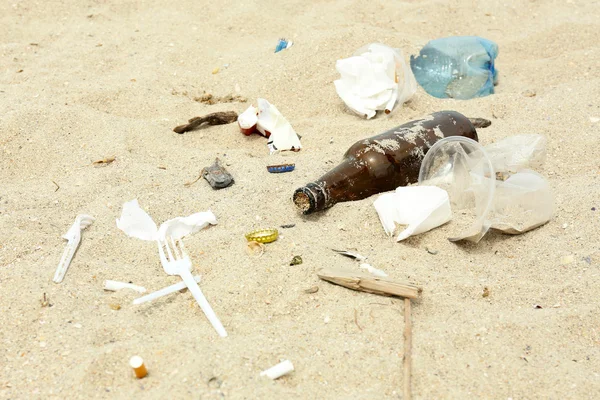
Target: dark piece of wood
<point x="216" y="118"/>
<point x="407" y="350"/>
<point x="480" y="122"/>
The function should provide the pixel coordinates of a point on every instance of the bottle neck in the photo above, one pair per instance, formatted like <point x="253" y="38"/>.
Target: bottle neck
<point x="311" y="198"/>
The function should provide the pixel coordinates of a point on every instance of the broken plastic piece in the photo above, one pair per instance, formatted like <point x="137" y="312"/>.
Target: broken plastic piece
<point x="136" y="223"/>
<point x="267" y="120"/>
<point x="421" y="208"/>
<point x="277" y="371"/>
<point x="373" y="270"/>
<point x="516" y="153"/>
<point x="217" y="176"/>
<point x="458" y="67"/>
<point x="139" y="369"/>
<point x="165" y="291"/>
<point x="375" y="78"/>
<point x="113" y="286"/>
<point x="351" y="254"/>
<point x="282" y="45"/>
<point x="73" y="236"/>
<point x="263" y="235"/>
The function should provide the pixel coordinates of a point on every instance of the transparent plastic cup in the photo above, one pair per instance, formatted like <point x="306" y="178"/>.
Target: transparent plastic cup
<point x="462" y="167"/>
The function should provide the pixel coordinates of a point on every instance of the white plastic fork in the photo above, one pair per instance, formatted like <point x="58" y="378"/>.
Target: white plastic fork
<point x="178" y="263"/>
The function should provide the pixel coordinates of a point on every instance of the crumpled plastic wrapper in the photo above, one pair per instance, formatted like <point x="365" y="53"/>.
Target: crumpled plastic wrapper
<point x="421" y="208"/>
<point x="136" y="223"/>
<point x="375" y="78"/>
<point x="267" y="119"/>
<point x="493" y="187"/>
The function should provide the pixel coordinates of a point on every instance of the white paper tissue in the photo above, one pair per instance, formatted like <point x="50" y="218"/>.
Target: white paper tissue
<point x="375" y="78"/>
<point x="421" y="208"/>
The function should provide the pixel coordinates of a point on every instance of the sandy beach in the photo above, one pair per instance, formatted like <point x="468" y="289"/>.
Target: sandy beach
<point x="84" y="81"/>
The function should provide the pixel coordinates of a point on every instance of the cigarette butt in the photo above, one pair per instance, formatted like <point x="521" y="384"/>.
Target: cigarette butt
<point x="139" y="369"/>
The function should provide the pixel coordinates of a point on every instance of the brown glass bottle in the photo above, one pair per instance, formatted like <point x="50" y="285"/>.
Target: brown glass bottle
<point x="383" y="162"/>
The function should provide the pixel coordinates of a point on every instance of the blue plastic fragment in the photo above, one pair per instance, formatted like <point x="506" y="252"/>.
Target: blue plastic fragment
<point x="282" y="45"/>
<point x="276" y="169"/>
<point x="458" y="67"/>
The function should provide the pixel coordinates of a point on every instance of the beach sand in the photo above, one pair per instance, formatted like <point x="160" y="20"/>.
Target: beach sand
<point x="82" y="81"/>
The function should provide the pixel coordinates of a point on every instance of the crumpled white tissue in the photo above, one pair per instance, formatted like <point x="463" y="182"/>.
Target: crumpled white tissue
<point x="422" y="208"/>
<point x="136" y="223"/>
<point x="271" y="123"/>
<point x="375" y="78"/>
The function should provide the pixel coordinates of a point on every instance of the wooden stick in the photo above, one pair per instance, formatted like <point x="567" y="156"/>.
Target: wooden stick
<point x="407" y="350"/>
<point x="369" y="283"/>
<point x="217" y="118"/>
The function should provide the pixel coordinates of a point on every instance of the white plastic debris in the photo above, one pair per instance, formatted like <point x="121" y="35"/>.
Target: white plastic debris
<point x="165" y="291"/>
<point x="351" y="254"/>
<point x="422" y="208"/>
<point x="73" y="236"/>
<point x="136" y="223"/>
<point x="113" y="286"/>
<point x="277" y="371"/>
<point x="267" y="119"/>
<point x="371" y="269"/>
<point x="375" y="78"/>
<point x="517" y="152"/>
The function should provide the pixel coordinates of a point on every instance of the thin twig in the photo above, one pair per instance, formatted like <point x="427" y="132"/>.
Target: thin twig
<point x="356" y="319"/>
<point x="57" y="187"/>
<point x="407" y="349"/>
<point x="217" y="118"/>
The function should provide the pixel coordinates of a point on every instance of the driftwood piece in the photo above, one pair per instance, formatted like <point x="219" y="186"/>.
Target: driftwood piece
<point x="369" y="283"/>
<point x="216" y="118"/>
<point x="407" y="350"/>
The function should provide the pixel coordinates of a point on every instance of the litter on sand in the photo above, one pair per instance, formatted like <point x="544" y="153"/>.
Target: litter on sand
<point x="375" y="78"/>
<point x="279" y="370"/>
<point x="73" y="236"/>
<point x="113" y="286"/>
<point x="163" y="292"/>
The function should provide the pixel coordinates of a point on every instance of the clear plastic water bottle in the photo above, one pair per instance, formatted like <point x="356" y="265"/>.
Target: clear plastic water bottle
<point x="458" y="67"/>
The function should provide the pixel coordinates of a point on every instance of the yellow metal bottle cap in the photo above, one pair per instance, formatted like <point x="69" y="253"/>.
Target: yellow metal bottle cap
<point x="263" y="235"/>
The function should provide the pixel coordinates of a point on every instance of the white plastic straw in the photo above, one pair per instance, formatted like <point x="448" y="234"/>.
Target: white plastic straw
<point x="113" y="286"/>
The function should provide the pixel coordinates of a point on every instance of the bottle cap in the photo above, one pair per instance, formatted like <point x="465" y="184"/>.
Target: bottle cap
<point x="263" y="235"/>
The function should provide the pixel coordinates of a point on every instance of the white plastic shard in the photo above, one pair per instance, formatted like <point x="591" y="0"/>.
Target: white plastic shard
<point x="136" y="223"/>
<point x="73" y="236"/>
<point x="277" y="371"/>
<point x="351" y="254"/>
<point x="267" y="119"/>
<point x="421" y="208"/>
<point x="375" y="78"/>
<point x="283" y="137"/>
<point x="371" y="269"/>
<point x="113" y="286"/>
<point x="165" y="291"/>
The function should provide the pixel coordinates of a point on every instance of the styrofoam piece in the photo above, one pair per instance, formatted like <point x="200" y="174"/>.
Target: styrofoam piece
<point x="277" y="371"/>
<point x="165" y="291"/>
<point x="113" y="286"/>
<point x="73" y="236"/>
<point x="422" y="208"/>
